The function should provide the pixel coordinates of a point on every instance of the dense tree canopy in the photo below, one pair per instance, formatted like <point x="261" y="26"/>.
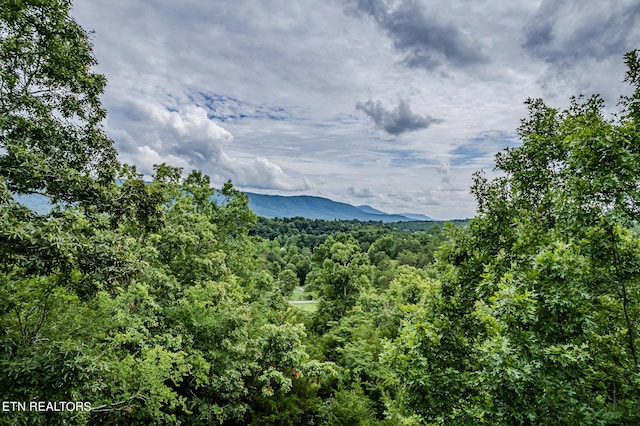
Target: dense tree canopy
<point x="51" y="141"/>
<point x="536" y="319"/>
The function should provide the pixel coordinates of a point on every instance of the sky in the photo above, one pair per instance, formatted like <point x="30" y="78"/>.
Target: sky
<point x="394" y="104"/>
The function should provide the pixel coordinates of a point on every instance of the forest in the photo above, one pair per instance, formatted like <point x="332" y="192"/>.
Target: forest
<point x="170" y="302"/>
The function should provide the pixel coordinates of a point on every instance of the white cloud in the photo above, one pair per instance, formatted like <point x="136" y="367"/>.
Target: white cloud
<point x="188" y="138"/>
<point x="264" y="174"/>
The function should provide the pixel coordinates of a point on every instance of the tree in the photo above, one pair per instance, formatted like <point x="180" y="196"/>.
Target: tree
<point x="536" y="318"/>
<point x="51" y="140"/>
<point x="139" y="297"/>
<point x="52" y="144"/>
<point x="288" y="281"/>
<point x="342" y="272"/>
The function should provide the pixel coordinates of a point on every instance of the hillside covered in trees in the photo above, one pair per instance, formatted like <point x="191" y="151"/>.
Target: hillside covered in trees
<point x="153" y="303"/>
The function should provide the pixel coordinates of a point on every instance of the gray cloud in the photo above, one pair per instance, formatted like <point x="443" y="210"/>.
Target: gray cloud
<point x="563" y="32"/>
<point x="444" y="170"/>
<point x="426" y="42"/>
<point x="426" y="198"/>
<point x="397" y="121"/>
<point x="538" y="32"/>
<point x="360" y="192"/>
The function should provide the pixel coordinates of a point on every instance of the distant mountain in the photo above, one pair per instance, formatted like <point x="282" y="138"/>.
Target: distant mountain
<point x="36" y="202"/>
<point x="415" y="216"/>
<point x="270" y="206"/>
<point x="369" y="209"/>
<point x="412" y="216"/>
<point x="311" y="207"/>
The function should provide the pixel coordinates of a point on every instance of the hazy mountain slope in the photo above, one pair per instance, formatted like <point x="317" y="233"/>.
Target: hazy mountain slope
<point x="270" y="206"/>
<point x="416" y="216"/>
<point x="315" y="208"/>
<point x="369" y="209"/>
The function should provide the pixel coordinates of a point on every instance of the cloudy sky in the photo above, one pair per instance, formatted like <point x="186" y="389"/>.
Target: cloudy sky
<point x="392" y="103"/>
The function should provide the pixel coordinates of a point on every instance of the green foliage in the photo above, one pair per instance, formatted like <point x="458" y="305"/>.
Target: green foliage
<point x="51" y="141"/>
<point x="288" y="281"/>
<point x="342" y="272"/>
<point x="310" y="233"/>
<point x="349" y="406"/>
<point x="178" y="327"/>
<point x="536" y="318"/>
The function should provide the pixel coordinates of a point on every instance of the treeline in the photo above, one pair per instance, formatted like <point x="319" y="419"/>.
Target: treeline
<point x="299" y="226"/>
<point x="311" y="232"/>
<point x="166" y="302"/>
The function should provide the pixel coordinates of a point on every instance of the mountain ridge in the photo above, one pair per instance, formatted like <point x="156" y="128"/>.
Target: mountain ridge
<point x="315" y="207"/>
<point x="271" y="206"/>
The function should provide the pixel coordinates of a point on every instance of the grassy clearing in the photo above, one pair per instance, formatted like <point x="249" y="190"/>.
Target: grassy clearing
<point x="299" y="295"/>
<point x="307" y="307"/>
